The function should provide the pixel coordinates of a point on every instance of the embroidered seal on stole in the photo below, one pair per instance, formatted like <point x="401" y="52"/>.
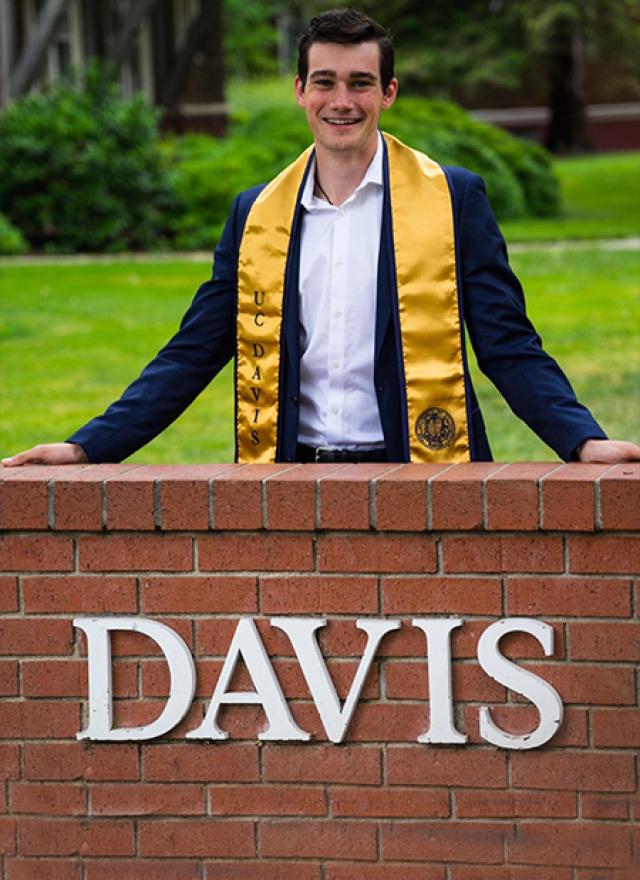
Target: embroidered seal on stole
<point x="435" y="428"/>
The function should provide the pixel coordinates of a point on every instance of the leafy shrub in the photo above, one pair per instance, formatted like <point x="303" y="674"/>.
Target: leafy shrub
<point x="11" y="239"/>
<point x="80" y="168"/>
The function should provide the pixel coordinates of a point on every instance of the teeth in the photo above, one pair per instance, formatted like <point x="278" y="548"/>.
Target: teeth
<point x="341" y="121"/>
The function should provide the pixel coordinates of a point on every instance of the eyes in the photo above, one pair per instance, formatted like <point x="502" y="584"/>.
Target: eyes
<point x="360" y="85"/>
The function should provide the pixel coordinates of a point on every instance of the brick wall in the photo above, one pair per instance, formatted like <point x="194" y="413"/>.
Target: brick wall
<point x="199" y="547"/>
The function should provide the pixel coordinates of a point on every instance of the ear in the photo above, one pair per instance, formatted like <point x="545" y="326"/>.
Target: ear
<point x="298" y="87"/>
<point x="390" y="94"/>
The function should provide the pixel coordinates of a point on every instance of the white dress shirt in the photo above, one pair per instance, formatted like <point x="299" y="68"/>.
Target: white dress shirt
<point x="337" y="305"/>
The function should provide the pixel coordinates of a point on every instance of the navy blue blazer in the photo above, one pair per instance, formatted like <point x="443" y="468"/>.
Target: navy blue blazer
<point x="505" y="343"/>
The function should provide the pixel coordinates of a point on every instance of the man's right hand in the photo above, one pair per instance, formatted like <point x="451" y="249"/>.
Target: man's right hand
<point x="49" y="453"/>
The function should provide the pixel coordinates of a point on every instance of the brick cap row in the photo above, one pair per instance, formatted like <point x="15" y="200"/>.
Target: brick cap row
<point x="527" y="496"/>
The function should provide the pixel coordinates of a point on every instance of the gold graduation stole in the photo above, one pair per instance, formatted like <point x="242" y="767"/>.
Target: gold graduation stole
<point x="424" y="249"/>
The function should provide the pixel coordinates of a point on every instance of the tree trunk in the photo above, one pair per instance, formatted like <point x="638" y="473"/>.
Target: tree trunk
<point x="567" y="131"/>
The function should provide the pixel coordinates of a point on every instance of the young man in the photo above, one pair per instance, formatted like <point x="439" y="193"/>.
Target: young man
<point x="343" y="287"/>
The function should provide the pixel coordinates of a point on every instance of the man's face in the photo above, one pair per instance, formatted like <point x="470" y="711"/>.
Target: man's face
<point x="343" y="96"/>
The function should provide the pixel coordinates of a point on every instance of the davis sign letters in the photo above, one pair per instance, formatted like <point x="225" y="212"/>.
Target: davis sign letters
<point x="247" y="646"/>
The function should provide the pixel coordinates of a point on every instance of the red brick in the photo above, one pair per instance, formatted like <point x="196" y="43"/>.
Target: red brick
<point x="198" y="594"/>
<point x="571" y="843"/>
<point x="8" y="593"/>
<point x="318" y="595"/>
<point x="75" y="761"/>
<point x="291" y="497"/>
<point x="584" y="683"/>
<point x="512" y="496"/>
<point x="520" y="719"/>
<point x="482" y="804"/>
<point x="322" y="763"/>
<point x="569" y="597"/>
<point x="255" y="553"/>
<point x="330" y="839"/>
<point x="413" y="595"/>
<point x="444" y="841"/>
<point x="598" y="554"/>
<point x="237" y="495"/>
<point x="7" y="836"/>
<point x="267" y="800"/>
<point x="510" y="872"/>
<point x="619" y="728"/>
<point x="272" y="869"/>
<point x="80" y="594"/>
<point x="78" y="494"/>
<point x="209" y="836"/>
<point x="130" y="500"/>
<point x="23" y="499"/>
<point x="200" y="762"/>
<point x="386" y="871"/>
<point x="587" y="771"/>
<point x="401" y="497"/>
<point x="538" y="553"/>
<point x="9" y="761"/>
<point x="40" y="636"/>
<point x="135" y="553"/>
<point x="39" y="718"/>
<point x="184" y="495"/>
<point x="598" y="806"/>
<point x="143" y="798"/>
<point x="55" y="799"/>
<point x="384" y="722"/>
<point x="9" y="678"/>
<point x="408" y="803"/>
<point x="377" y="553"/>
<point x="134" y="869"/>
<point x="456" y="496"/>
<point x="605" y="641"/>
<point x="68" y="837"/>
<point x="36" y="553"/>
<point x="469" y="682"/>
<point x="568" y="497"/>
<point x="68" y="678"/>
<point x="345" y="500"/>
<point x="411" y="765"/>
<point x="620" y="497"/>
<point x="43" y="869"/>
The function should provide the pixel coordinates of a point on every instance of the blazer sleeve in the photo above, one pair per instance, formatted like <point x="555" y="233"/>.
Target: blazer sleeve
<point x="204" y="343"/>
<point x="508" y="349"/>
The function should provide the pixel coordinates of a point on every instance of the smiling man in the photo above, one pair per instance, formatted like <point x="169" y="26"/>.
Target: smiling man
<point x="343" y="288"/>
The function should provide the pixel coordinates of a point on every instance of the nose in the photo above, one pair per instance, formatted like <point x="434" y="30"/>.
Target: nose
<point x="341" y="97"/>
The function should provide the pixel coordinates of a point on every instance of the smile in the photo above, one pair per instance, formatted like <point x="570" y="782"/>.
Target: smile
<point x="341" y="121"/>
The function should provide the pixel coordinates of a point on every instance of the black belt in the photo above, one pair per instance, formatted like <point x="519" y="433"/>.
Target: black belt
<point x="331" y="454"/>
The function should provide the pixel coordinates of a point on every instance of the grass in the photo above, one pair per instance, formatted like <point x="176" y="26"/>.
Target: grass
<point x="600" y="198"/>
<point x="72" y="336"/>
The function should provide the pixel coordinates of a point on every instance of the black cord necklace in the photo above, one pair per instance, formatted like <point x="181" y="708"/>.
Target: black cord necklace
<point x="319" y="185"/>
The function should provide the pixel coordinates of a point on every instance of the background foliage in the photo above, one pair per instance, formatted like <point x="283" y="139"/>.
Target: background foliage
<point x="80" y="168"/>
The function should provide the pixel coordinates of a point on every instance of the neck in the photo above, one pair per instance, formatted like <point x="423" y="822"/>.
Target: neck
<point x="340" y="173"/>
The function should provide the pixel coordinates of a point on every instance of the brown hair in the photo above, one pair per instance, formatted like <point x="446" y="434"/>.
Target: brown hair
<point x="348" y="27"/>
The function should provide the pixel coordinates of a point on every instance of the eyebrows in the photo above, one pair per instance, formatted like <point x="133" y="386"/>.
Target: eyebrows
<point x="353" y="74"/>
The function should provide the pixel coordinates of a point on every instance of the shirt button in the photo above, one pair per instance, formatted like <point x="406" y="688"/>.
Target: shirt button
<point x="335" y="410"/>
<point x="337" y="314"/>
<point x="335" y="365"/>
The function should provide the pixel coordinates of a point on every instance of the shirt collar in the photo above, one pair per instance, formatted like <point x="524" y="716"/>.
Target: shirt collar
<point x="373" y="175"/>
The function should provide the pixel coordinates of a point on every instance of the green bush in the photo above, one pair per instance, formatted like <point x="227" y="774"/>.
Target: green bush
<point x="80" y="168"/>
<point x="11" y="239"/>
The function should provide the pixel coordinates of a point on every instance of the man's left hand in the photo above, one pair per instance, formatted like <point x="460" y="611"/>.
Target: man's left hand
<point x="608" y="451"/>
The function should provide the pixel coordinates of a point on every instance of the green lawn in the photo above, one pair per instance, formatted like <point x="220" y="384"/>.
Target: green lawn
<point x="72" y="336"/>
<point x="600" y="198"/>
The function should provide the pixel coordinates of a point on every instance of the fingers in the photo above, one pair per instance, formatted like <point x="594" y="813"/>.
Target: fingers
<point x="609" y="451"/>
<point x="48" y="453"/>
<point x="29" y="456"/>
